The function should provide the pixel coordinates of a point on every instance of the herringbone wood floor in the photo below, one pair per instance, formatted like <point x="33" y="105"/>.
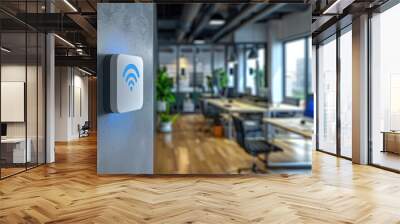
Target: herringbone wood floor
<point x="70" y="191"/>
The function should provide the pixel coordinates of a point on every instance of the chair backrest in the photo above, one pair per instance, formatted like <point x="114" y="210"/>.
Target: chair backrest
<point x="239" y="130"/>
<point x="291" y="101"/>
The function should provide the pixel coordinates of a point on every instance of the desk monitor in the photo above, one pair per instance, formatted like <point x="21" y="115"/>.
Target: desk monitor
<point x="309" y="110"/>
<point x="3" y="129"/>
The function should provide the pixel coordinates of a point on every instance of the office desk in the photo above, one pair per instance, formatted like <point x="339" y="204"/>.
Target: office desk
<point x="234" y="107"/>
<point x="292" y="125"/>
<point x="298" y="151"/>
<point x="16" y="153"/>
<point x="278" y="108"/>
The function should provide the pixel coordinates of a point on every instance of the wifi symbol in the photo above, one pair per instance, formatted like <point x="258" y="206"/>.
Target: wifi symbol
<point x="131" y="75"/>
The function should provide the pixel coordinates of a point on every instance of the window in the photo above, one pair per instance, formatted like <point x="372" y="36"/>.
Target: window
<point x="346" y="94"/>
<point x="251" y="69"/>
<point x="385" y="89"/>
<point x="294" y="73"/>
<point x="327" y="96"/>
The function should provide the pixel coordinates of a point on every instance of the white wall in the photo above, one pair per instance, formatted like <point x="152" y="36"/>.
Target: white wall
<point x="69" y="112"/>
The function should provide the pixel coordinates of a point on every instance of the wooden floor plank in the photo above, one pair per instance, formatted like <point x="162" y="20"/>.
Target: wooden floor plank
<point x="70" y="191"/>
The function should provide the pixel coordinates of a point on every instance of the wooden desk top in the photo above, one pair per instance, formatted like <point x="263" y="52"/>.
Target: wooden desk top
<point x="235" y="106"/>
<point x="243" y="107"/>
<point x="292" y="125"/>
<point x="284" y="107"/>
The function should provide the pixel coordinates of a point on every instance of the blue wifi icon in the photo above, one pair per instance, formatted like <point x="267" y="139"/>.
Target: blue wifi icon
<point x="131" y="75"/>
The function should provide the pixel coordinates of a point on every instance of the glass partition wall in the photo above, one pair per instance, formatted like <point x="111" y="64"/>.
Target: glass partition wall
<point x="334" y="94"/>
<point x="385" y="89"/>
<point x="196" y="69"/>
<point x="22" y="91"/>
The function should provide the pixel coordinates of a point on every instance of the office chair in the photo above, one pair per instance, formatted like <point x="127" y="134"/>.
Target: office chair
<point x="291" y="101"/>
<point x="253" y="123"/>
<point x="210" y="113"/>
<point x="252" y="146"/>
<point x="84" y="129"/>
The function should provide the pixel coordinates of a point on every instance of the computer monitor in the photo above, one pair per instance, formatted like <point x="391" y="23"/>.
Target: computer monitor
<point x="3" y="129"/>
<point x="309" y="110"/>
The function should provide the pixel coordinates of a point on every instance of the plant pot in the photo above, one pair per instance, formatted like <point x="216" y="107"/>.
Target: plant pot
<point x="165" y="127"/>
<point x="161" y="106"/>
<point x="218" y="131"/>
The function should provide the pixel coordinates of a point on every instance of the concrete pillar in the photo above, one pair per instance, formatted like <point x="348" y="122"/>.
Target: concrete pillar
<point x="125" y="142"/>
<point x="50" y="99"/>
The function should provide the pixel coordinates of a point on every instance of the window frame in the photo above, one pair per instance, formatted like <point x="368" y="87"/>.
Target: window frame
<point x="307" y="68"/>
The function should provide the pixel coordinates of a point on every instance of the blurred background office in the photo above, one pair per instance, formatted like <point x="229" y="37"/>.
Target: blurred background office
<point x="234" y="88"/>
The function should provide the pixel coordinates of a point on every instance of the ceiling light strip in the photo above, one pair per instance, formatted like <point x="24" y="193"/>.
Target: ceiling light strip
<point x="70" y="5"/>
<point x="64" y="40"/>
<point x="84" y="71"/>
<point x="5" y="50"/>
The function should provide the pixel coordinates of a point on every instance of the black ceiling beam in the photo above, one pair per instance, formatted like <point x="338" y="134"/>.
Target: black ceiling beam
<point x="83" y="61"/>
<point x="49" y="22"/>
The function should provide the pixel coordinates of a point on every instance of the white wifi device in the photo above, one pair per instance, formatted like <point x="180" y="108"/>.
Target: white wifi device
<point x="126" y="83"/>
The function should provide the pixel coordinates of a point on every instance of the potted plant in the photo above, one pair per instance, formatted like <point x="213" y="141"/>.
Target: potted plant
<point x="165" y="98"/>
<point x="166" y="121"/>
<point x="164" y="85"/>
<point x="222" y="78"/>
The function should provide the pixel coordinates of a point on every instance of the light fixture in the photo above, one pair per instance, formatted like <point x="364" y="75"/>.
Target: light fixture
<point x="64" y="40"/>
<point x="199" y="41"/>
<point x="334" y="8"/>
<point x="217" y="20"/>
<point x="84" y="71"/>
<point x="253" y="54"/>
<point x="5" y="50"/>
<point x="70" y="5"/>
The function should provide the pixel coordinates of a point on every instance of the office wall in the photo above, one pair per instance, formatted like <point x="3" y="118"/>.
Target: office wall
<point x="125" y="141"/>
<point x="71" y="102"/>
<point x="13" y="73"/>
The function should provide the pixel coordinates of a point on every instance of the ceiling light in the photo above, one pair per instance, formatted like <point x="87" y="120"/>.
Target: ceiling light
<point x="64" y="40"/>
<point x="217" y="20"/>
<point x="70" y="5"/>
<point x="199" y="41"/>
<point x="5" y="50"/>
<point x="79" y="50"/>
<point x="84" y="71"/>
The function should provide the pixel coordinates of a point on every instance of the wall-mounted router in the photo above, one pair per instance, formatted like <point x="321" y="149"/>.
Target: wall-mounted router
<point x="126" y="83"/>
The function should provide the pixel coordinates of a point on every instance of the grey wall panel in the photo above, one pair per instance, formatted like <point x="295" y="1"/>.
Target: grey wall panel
<point x="125" y="141"/>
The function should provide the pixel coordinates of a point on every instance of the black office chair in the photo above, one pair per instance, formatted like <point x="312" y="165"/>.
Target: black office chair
<point x="252" y="146"/>
<point x="253" y="123"/>
<point x="291" y="101"/>
<point x="210" y="113"/>
<point x="84" y="129"/>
